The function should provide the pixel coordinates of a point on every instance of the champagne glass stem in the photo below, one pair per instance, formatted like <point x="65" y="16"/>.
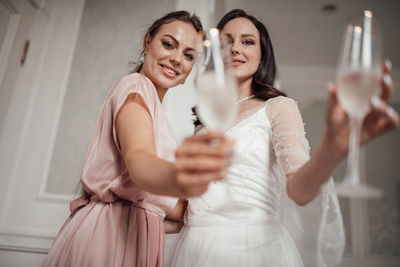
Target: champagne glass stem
<point x="353" y="159"/>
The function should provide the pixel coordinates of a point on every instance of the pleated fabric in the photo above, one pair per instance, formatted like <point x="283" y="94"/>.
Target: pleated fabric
<point x="109" y="234"/>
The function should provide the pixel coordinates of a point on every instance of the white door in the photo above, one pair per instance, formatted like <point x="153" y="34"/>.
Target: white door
<point x="16" y="19"/>
<point x="33" y="35"/>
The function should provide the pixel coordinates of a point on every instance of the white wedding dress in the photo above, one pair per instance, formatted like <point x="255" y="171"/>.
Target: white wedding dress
<point x="254" y="223"/>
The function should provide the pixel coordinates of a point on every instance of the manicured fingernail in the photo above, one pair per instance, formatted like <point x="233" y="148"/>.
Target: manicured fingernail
<point x="388" y="64"/>
<point x="390" y="111"/>
<point x="375" y="101"/>
<point x="387" y="79"/>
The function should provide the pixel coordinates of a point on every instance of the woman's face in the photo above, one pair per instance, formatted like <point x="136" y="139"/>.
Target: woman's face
<point x="244" y="39"/>
<point x="170" y="54"/>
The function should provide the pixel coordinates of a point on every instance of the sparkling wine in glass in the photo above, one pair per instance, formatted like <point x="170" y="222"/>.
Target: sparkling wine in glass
<point x="216" y="85"/>
<point x="217" y="106"/>
<point x="358" y="79"/>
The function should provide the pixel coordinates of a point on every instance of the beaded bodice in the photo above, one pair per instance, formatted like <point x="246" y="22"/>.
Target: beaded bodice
<point x="268" y="143"/>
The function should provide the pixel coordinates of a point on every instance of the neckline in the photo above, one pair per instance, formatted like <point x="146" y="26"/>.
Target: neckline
<point x="248" y="118"/>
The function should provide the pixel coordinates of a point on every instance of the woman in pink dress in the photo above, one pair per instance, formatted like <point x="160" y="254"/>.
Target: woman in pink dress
<point x="131" y="187"/>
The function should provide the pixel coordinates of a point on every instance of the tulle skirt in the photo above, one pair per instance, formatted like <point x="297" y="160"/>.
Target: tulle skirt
<point x="109" y="235"/>
<point x="235" y="245"/>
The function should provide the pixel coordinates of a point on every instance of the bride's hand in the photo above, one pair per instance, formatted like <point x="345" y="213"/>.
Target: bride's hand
<point x="200" y="160"/>
<point x="380" y="119"/>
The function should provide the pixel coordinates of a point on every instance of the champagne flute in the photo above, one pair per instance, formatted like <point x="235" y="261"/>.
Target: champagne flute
<point x="216" y="85"/>
<point x="217" y="93"/>
<point x="358" y="79"/>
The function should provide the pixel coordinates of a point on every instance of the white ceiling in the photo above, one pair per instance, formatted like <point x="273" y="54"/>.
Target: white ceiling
<point x="302" y="34"/>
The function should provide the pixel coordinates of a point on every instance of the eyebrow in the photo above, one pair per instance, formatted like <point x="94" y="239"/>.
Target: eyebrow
<point x="177" y="42"/>
<point x="172" y="37"/>
<point x="243" y="35"/>
<point x="248" y="35"/>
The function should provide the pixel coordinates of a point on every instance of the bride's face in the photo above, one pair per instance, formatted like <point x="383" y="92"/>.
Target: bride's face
<point x="244" y="39"/>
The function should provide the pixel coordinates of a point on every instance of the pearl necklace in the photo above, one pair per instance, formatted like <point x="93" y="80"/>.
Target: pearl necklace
<point x="245" y="98"/>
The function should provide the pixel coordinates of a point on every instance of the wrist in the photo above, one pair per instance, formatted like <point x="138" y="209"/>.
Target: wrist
<point x="329" y="152"/>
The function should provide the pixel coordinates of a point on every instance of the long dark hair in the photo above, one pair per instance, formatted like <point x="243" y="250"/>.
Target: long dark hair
<point x="262" y="84"/>
<point x="181" y="15"/>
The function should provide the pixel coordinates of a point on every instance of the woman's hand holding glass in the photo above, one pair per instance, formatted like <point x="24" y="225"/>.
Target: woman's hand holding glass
<point x="358" y="78"/>
<point x="200" y="160"/>
<point x="217" y="94"/>
<point x="380" y="119"/>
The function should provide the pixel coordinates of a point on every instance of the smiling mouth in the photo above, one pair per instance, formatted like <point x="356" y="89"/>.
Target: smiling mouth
<point x="169" y="70"/>
<point x="237" y="62"/>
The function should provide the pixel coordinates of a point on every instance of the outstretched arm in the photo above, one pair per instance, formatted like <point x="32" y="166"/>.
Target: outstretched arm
<point x="197" y="162"/>
<point x="304" y="183"/>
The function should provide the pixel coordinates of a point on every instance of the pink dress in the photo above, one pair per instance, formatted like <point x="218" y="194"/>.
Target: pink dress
<point x="116" y="223"/>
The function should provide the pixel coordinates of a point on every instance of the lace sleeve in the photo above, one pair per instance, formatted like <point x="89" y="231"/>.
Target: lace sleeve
<point x="288" y="136"/>
<point x="316" y="228"/>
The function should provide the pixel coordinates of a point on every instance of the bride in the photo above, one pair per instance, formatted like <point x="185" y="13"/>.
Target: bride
<point x="283" y="210"/>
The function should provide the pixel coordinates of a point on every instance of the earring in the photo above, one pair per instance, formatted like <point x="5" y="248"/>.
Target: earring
<point x="183" y="82"/>
<point x="142" y="57"/>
